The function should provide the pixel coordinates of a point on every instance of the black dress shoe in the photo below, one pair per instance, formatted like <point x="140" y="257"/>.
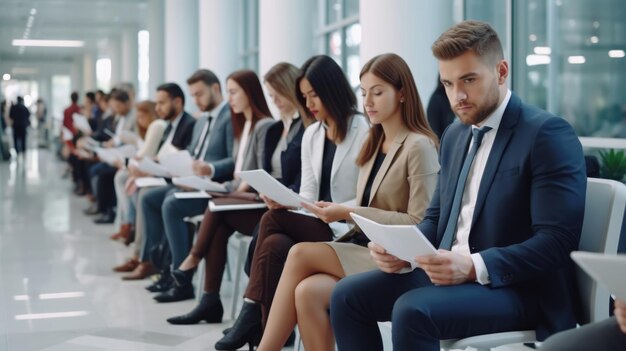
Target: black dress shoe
<point x="106" y="218"/>
<point x="176" y="293"/>
<point x="164" y="283"/>
<point x="246" y="330"/>
<point x="209" y="309"/>
<point x="183" y="277"/>
<point x="92" y="210"/>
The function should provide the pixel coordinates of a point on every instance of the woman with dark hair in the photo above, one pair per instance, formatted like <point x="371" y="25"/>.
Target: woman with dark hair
<point x="439" y="112"/>
<point x="281" y="158"/>
<point x="397" y="176"/>
<point x="330" y="148"/>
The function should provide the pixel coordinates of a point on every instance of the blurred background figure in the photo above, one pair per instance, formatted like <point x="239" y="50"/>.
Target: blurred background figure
<point x="20" y="120"/>
<point x="439" y="113"/>
<point x="42" y="123"/>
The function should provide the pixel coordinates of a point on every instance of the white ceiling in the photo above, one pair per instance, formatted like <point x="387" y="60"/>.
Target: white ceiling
<point x="97" y="22"/>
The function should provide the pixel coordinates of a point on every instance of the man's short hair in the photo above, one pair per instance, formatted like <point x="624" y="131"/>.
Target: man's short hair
<point x="476" y="36"/>
<point x="204" y="75"/>
<point x="173" y="90"/>
<point x="74" y="97"/>
<point x="120" y="95"/>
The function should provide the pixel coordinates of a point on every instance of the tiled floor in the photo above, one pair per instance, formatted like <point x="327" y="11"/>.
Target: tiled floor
<point x="48" y="247"/>
<point x="57" y="290"/>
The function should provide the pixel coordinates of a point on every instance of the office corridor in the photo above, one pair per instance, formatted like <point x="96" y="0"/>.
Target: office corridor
<point x="57" y="290"/>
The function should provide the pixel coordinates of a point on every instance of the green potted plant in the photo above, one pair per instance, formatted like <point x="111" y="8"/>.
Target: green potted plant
<point x="613" y="164"/>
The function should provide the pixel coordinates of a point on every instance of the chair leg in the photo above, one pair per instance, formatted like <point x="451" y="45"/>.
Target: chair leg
<point x="242" y="250"/>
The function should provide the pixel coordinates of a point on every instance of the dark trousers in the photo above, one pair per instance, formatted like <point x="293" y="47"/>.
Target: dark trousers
<point x="102" y="175"/>
<point x="603" y="335"/>
<point x="19" y="140"/>
<point x="164" y="215"/>
<point x="422" y="313"/>
<point x="212" y="241"/>
<point x="279" y="230"/>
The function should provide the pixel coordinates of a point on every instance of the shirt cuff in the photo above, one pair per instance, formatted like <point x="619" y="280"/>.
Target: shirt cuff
<point x="212" y="171"/>
<point x="408" y="269"/>
<point x="482" y="275"/>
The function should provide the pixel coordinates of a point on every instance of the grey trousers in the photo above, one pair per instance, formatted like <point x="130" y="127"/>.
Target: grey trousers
<point x="600" y="336"/>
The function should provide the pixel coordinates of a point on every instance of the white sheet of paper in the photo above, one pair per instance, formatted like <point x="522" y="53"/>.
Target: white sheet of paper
<point x="144" y="182"/>
<point x="267" y="185"/>
<point x="67" y="134"/>
<point x="199" y="183"/>
<point x="178" y="164"/>
<point x="608" y="270"/>
<point x="128" y="137"/>
<point x="81" y="123"/>
<point x="403" y="241"/>
<point x="111" y="156"/>
<point x="215" y="208"/>
<point x="146" y="165"/>
<point x="192" y="195"/>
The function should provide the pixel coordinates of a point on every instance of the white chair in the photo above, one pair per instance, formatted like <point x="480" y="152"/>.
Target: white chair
<point x="241" y="243"/>
<point x="604" y="213"/>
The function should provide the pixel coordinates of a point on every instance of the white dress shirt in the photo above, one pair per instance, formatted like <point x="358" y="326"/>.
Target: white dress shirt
<point x="167" y="146"/>
<point x="470" y="193"/>
<point x="208" y="127"/>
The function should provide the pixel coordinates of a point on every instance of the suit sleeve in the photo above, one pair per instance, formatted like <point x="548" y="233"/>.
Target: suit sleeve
<point x="308" y="184"/>
<point x="422" y="171"/>
<point x="557" y="203"/>
<point x="225" y="167"/>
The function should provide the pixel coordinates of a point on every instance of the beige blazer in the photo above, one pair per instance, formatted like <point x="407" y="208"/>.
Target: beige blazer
<point x="405" y="182"/>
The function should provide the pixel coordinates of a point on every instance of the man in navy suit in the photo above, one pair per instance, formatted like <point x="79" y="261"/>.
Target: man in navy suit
<point x="506" y="213"/>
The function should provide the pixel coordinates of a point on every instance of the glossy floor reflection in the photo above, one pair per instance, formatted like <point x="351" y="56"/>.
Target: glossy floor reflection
<point x="57" y="290"/>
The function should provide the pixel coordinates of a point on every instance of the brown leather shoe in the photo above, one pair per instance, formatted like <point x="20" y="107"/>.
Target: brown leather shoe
<point x="142" y="271"/>
<point x="123" y="234"/>
<point x="127" y="266"/>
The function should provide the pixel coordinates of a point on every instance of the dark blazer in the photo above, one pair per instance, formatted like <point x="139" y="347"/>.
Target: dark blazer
<point x="107" y="124"/>
<point x="184" y="131"/>
<point x="290" y="160"/>
<point x="220" y="149"/>
<point x="529" y="210"/>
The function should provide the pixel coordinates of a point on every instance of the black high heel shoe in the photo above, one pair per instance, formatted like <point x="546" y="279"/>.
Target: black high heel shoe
<point x="246" y="330"/>
<point x="209" y="309"/>
<point x="183" y="278"/>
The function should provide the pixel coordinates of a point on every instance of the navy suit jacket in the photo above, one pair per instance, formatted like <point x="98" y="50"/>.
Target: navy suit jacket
<point x="290" y="160"/>
<point x="183" y="133"/>
<point x="220" y="149"/>
<point x="529" y="210"/>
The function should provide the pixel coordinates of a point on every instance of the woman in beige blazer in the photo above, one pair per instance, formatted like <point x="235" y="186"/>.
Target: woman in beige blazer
<point x="397" y="176"/>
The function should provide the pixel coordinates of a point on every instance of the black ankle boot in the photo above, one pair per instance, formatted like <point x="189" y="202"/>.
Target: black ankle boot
<point x="209" y="309"/>
<point x="183" y="278"/>
<point x="246" y="330"/>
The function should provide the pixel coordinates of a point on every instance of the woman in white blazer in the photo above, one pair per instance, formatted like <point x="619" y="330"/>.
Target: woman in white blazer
<point x="329" y="173"/>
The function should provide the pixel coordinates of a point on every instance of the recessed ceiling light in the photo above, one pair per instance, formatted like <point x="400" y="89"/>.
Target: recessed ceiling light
<point x="532" y="37"/>
<point x="6" y="76"/>
<point x="576" y="60"/>
<point x="594" y="39"/>
<point x="49" y="43"/>
<point x="534" y="60"/>
<point x="617" y="53"/>
<point x="33" y="11"/>
<point x="542" y="50"/>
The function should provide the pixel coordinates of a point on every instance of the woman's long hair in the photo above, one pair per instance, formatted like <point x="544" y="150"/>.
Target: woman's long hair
<point x="333" y="89"/>
<point x="394" y="70"/>
<point x="250" y="84"/>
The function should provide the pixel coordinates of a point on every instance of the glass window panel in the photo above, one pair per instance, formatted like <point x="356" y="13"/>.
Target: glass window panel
<point x="351" y="8"/>
<point x="334" y="10"/>
<point x="353" y="43"/>
<point x="335" y="46"/>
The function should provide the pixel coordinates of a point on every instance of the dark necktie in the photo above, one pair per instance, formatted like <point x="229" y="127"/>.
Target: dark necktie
<point x="450" y="232"/>
<point x="166" y="133"/>
<point x="204" y="138"/>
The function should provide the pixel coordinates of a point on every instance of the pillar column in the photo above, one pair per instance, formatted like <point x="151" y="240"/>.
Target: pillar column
<point x="129" y="56"/>
<point x="181" y="42"/>
<point x="407" y="28"/>
<point x="219" y="24"/>
<point x="155" y="27"/>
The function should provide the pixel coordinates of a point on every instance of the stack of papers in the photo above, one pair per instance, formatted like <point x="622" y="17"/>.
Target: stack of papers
<point x="144" y="182"/>
<point x="111" y="156"/>
<point x="234" y="204"/>
<point x="81" y="123"/>
<point x="267" y="185"/>
<point x="403" y="241"/>
<point x="198" y="183"/>
<point x="178" y="164"/>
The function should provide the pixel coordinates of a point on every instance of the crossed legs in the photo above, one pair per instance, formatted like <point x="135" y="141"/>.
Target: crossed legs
<point x="303" y="297"/>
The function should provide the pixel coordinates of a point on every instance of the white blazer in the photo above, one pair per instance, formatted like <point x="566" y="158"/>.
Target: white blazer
<point x="344" y="173"/>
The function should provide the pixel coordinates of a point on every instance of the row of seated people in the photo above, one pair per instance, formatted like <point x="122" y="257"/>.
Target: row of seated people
<point x="502" y="198"/>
